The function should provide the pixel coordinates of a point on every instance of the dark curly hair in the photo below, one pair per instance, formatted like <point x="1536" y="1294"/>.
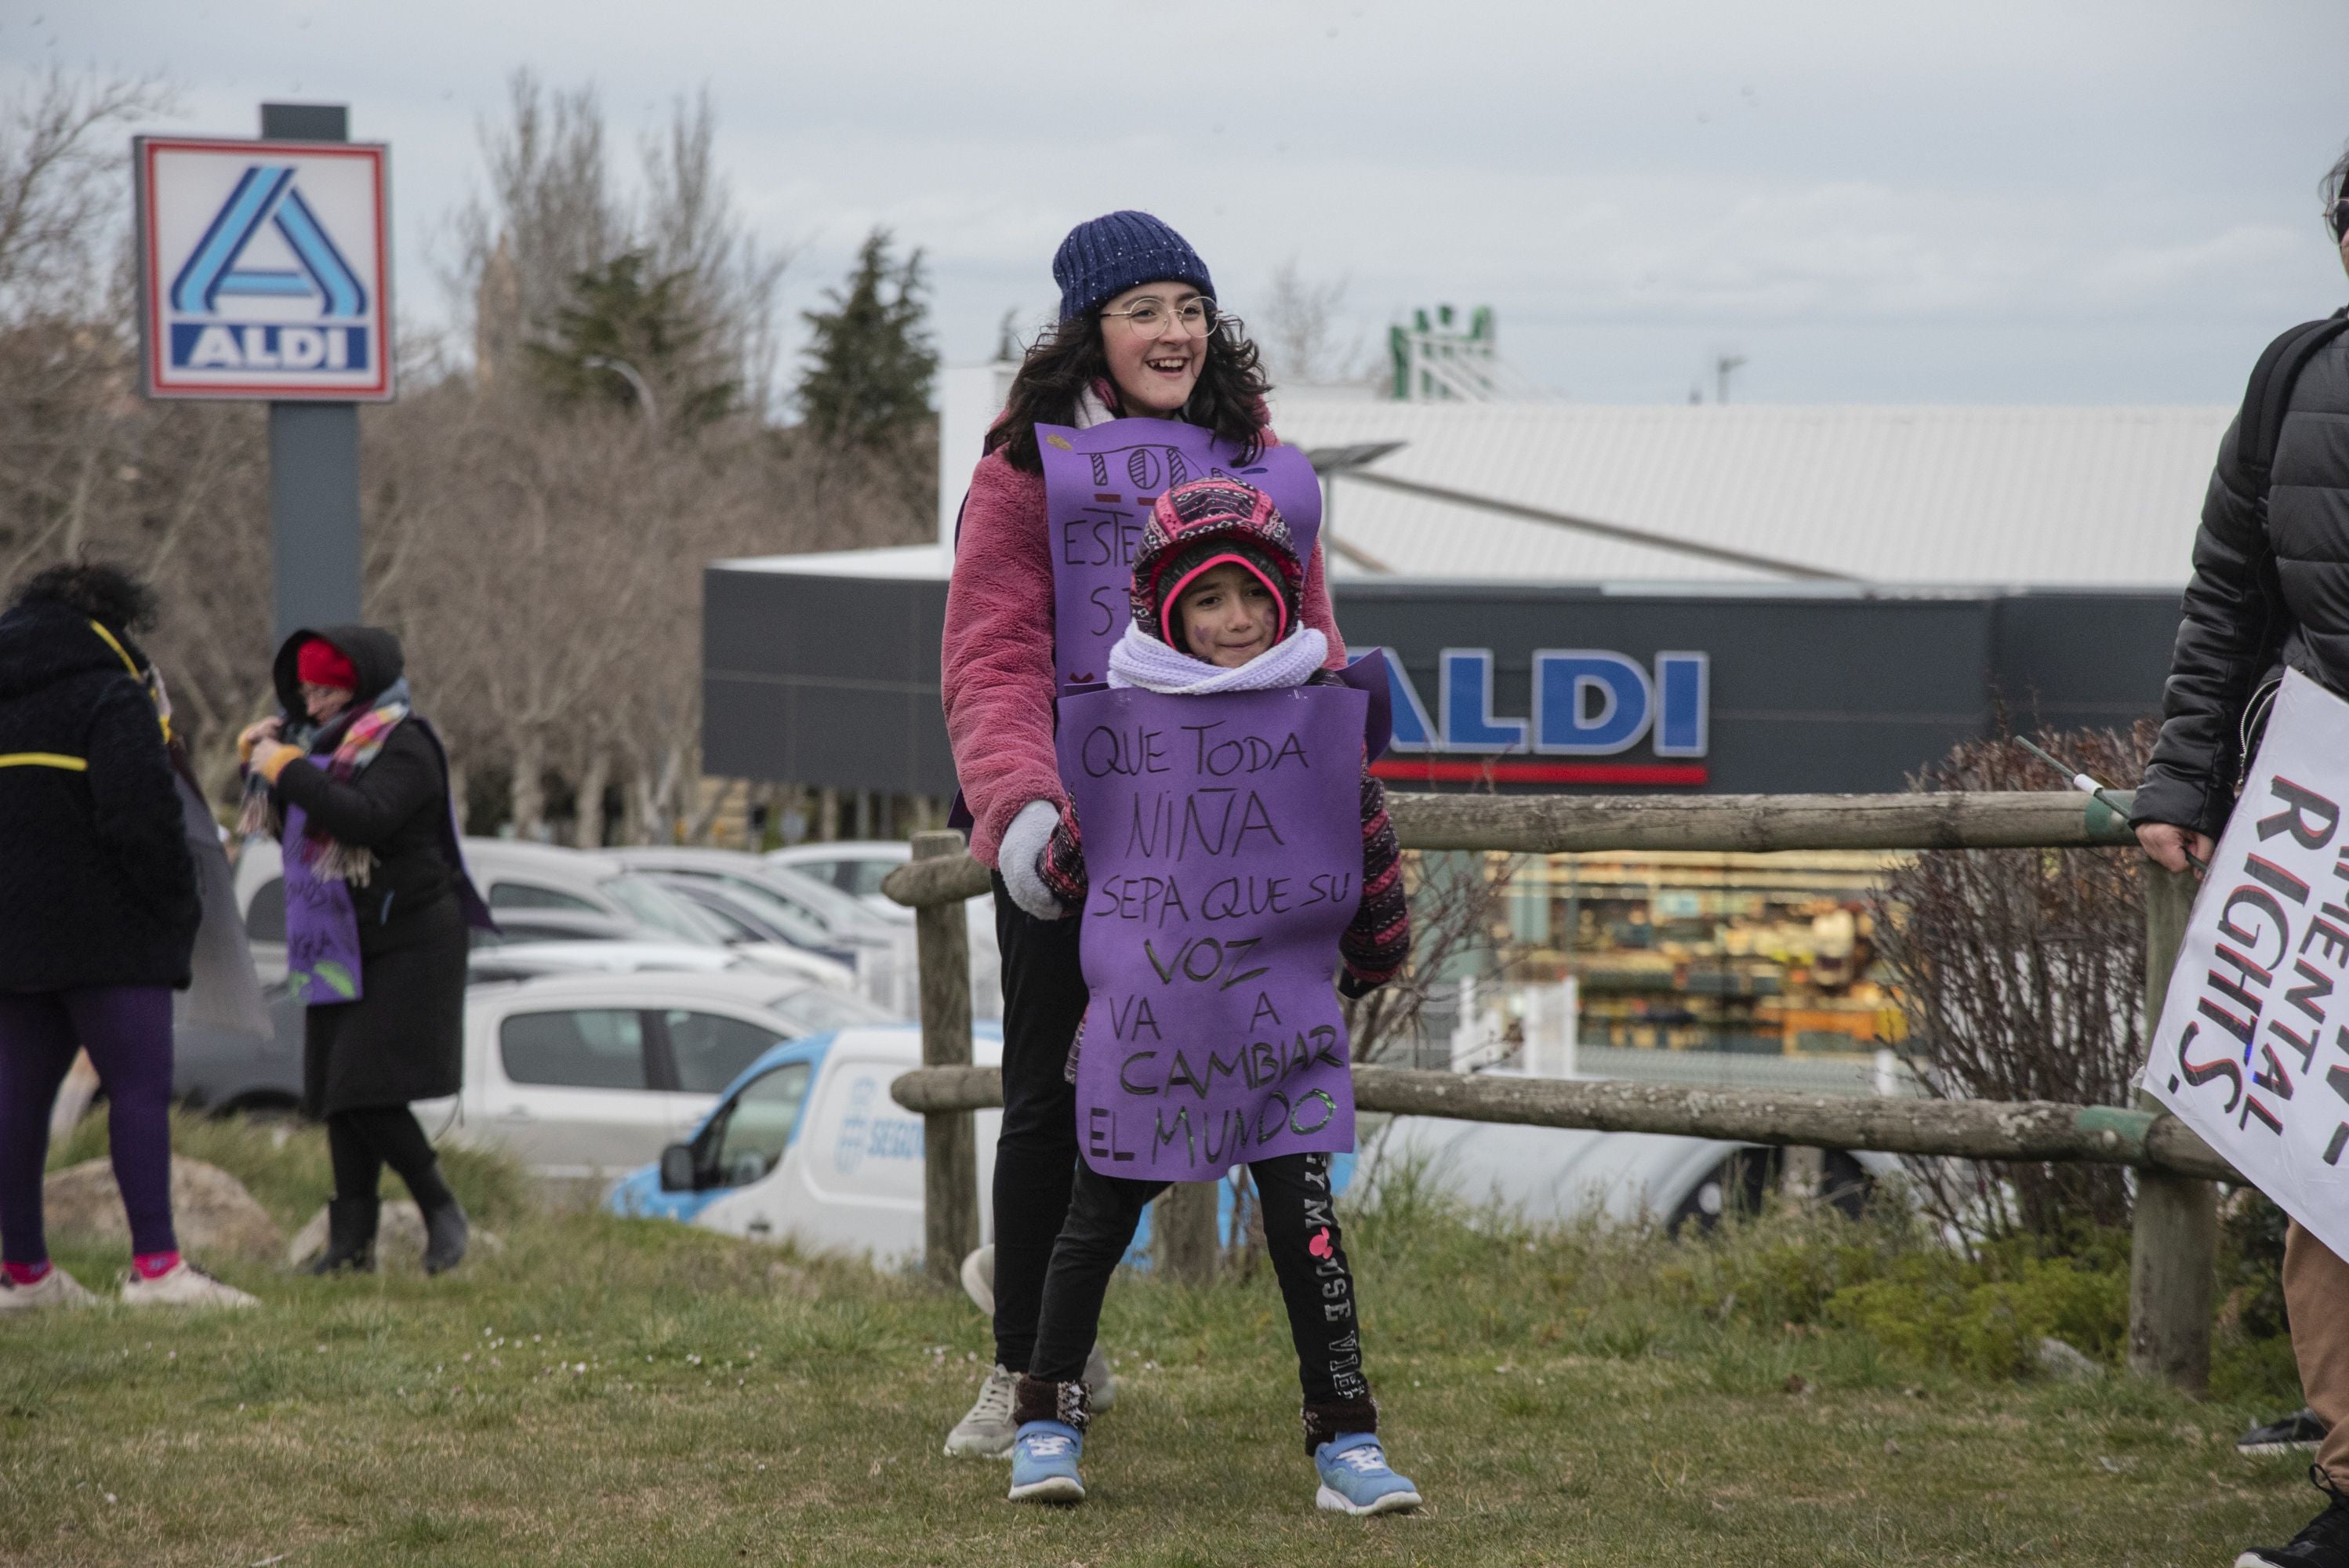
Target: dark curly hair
<point x="1061" y="365"/>
<point x="103" y="592"/>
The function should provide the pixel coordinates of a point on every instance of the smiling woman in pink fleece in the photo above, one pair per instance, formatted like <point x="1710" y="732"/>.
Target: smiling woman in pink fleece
<point x="1139" y="337"/>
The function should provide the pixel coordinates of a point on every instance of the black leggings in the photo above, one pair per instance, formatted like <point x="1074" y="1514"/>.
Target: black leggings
<point x="1301" y="1231"/>
<point x="363" y="1142"/>
<point x="1044" y="1000"/>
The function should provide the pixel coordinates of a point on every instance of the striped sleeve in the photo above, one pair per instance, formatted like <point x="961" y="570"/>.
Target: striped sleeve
<point x="1378" y="939"/>
<point x="1061" y="865"/>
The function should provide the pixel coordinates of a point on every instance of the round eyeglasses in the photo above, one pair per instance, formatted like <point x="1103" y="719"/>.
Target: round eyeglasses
<point x="2336" y="218"/>
<point x="1148" y="317"/>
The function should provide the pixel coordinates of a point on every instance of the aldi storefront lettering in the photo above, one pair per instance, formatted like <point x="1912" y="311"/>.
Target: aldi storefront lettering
<point x="197" y="347"/>
<point x="1587" y="703"/>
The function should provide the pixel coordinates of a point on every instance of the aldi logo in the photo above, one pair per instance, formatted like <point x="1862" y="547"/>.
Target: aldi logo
<point x="263" y="269"/>
<point x="1589" y="704"/>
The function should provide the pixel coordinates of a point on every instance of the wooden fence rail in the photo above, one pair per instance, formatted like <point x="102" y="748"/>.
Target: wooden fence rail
<point x="2174" y="1247"/>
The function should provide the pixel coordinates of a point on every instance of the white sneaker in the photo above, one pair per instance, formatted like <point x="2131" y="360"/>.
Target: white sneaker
<point x="987" y="1430"/>
<point x="979" y="1279"/>
<point x="182" y="1284"/>
<point x="54" y="1288"/>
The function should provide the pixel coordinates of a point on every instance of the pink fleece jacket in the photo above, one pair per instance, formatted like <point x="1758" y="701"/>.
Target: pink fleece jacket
<point x="997" y="658"/>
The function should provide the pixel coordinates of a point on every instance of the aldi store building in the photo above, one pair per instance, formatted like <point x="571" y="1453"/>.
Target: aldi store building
<point x="823" y="671"/>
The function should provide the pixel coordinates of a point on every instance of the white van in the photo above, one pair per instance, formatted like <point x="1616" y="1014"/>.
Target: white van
<point x="807" y="1147"/>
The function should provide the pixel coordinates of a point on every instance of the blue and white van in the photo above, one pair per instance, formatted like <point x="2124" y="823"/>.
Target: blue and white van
<point x="806" y="1146"/>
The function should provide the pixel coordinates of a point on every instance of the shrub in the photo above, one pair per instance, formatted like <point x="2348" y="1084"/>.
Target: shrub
<point x="1985" y="1316"/>
<point x="2021" y="974"/>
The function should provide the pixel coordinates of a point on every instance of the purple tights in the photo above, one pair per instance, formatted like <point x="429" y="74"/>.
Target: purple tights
<point x="126" y="1029"/>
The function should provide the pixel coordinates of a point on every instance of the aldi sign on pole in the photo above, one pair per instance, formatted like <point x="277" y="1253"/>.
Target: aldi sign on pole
<point x="265" y="269"/>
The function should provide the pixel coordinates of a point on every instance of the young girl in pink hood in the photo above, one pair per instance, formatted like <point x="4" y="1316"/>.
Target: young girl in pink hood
<point x="1214" y="598"/>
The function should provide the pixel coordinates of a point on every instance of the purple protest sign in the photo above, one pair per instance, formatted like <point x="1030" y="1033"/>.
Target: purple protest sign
<point x="1224" y="853"/>
<point x="322" y="926"/>
<point x="1099" y="484"/>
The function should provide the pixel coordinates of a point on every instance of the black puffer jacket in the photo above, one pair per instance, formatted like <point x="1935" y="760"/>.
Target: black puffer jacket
<point x="2265" y="595"/>
<point x="97" y="887"/>
<point x="398" y="807"/>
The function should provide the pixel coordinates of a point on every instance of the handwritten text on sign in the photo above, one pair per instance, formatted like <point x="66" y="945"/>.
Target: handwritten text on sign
<point x="2251" y="1051"/>
<point x="1224" y="849"/>
<point x="1099" y="484"/>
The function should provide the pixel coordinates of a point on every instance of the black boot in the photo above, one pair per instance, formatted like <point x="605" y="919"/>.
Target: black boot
<point x="350" y="1236"/>
<point x="446" y="1232"/>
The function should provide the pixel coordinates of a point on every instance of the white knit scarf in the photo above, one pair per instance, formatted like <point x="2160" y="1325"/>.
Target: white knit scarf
<point x="1140" y="660"/>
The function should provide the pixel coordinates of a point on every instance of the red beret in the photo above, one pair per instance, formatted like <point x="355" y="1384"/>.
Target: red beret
<point x="319" y="663"/>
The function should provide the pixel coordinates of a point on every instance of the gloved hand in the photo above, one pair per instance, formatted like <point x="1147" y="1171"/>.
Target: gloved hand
<point x="270" y="758"/>
<point x="1020" y="857"/>
<point x="254" y="735"/>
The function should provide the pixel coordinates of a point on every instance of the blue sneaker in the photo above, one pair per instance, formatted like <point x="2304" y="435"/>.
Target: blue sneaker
<point x="1355" y="1477"/>
<point x="1044" y="1464"/>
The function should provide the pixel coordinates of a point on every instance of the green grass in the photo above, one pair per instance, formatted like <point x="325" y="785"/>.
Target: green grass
<point x="1585" y="1397"/>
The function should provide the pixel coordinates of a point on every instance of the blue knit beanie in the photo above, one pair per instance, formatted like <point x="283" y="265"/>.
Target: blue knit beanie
<point x="1103" y="258"/>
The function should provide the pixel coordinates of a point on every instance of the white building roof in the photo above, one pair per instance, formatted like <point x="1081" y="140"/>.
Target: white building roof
<point x="1942" y="497"/>
<point x="1924" y="496"/>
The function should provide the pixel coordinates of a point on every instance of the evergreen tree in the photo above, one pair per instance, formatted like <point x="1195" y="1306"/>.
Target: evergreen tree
<point x="616" y="316"/>
<point x="867" y="380"/>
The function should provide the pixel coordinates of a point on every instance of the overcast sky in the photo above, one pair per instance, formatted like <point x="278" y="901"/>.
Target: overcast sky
<point x="1874" y="201"/>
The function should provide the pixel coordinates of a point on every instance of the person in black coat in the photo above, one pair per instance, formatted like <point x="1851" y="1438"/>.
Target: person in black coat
<point x="99" y="913"/>
<point x="2269" y="590"/>
<point x="377" y="902"/>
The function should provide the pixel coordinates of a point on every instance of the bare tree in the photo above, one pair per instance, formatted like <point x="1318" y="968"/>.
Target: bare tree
<point x="1458" y="902"/>
<point x="61" y="207"/>
<point x="549" y="215"/>
<point x="1298" y="328"/>
<point x="2022" y="976"/>
<point x="691" y="228"/>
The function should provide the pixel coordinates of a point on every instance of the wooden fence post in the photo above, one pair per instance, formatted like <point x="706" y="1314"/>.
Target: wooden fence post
<point x="2174" y="1247"/>
<point x="951" y="1138"/>
<point x="1183" y="1231"/>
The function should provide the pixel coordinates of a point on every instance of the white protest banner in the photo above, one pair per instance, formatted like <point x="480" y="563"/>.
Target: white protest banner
<point x="2250" y="1051"/>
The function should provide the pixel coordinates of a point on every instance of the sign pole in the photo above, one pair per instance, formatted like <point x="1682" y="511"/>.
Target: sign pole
<point x="313" y="458"/>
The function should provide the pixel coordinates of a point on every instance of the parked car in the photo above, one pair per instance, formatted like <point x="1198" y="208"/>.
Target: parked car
<point x="542" y="893"/>
<point x="585" y="1075"/>
<point x="825" y="908"/>
<point x="1552" y="1174"/>
<point x="806" y="1146"/>
<point x="228" y="1070"/>
<point x="752" y="915"/>
<point x="882" y="950"/>
<point x="491" y="961"/>
<point x="858" y="867"/>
